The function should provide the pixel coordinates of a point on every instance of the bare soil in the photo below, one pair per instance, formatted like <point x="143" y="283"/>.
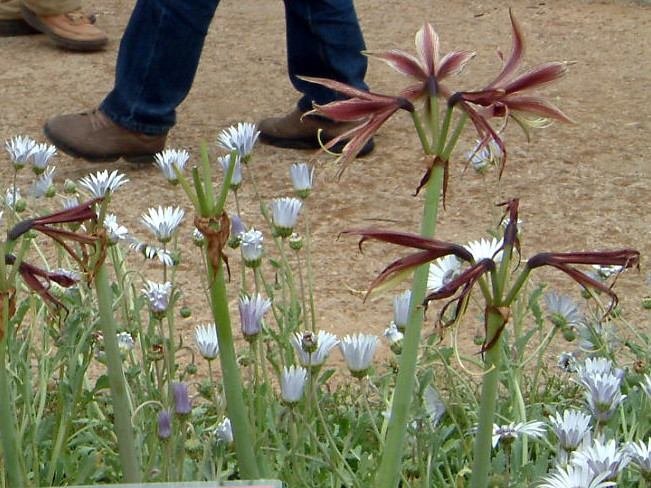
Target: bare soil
<point x="582" y="187"/>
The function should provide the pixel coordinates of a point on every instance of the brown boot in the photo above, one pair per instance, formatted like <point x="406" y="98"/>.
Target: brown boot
<point x="94" y="137"/>
<point x="293" y="131"/>
<point x="75" y="30"/>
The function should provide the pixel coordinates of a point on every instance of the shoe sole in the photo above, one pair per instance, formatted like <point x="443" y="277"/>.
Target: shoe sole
<point x="84" y="46"/>
<point x="97" y="158"/>
<point x="311" y="143"/>
<point x="16" y="27"/>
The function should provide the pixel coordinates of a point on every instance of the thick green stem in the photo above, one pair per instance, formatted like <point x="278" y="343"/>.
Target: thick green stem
<point x="390" y="466"/>
<point x="122" y="412"/>
<point x="490" y="382"/>
<point x="235" y="404"/>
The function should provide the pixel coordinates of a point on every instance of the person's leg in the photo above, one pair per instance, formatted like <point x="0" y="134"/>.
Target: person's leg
<point x="11" y="20"/>
<point x="157" y="61"/>
<point x="52" y="7"/>
<point x="324" y="40"/>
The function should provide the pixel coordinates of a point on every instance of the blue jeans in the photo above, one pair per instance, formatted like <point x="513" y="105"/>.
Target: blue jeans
<point x="161" y="47"/>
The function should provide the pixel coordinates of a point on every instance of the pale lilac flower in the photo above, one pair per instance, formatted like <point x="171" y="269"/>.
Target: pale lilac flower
<point x="41" y="155"/>
<point x="302" y="175"/>
<point x="158" y="296"/>
<point x="572" y="428"/>
<point x="164" y="424"/>
<point x="395" y="338"/>
<point x="313" y="349"/>
<point x="206" y="337"/>
<point x="103" y="182"/>
<point x="252" y="310"/>
<point x="285" y="213"/>
<point x="563" y="311"/>
<point x="240" y="139"/>
<point x="168" y="159"/>
<point x="251" y="245"/>
<point x="508" y="433"/>
<point x="434" y="407"/>
<point x="485" y="249"/>
<point x="401" y="310"/>
<point x="70" y="202"/>
<point x="595" y="366"/>
<point x="575" y="477"/>
<point x="224" y="431"/>
<point x="640" y="455"/>
<point x="12" y="196"/>
<point x="43" y="185"/>
<point x="125" y="341"/>
<point x="603" y="395"/>
<point x="646" y="385"/>
<point x="606" y="272"/>
<point x="163" y="221"/>
<point x="20" y="149"/>
<point x="602" y="458"/>
<point x="182" y="403"/>
<point x="485" y="156"/>
<point x="236" y="178"/>
<point x="358" y="351"/>
<point x="442" y="271"/>
<point x="115" y="232"/>
<point x="292" y="382"/>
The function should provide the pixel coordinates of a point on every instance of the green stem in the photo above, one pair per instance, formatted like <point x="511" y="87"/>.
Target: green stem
<point x="13" y="463"/>
<point x="490" y="382"/>
<point x="129" y="459"/>
<point x="235" y="404"/>
<point x="390" y="464"/>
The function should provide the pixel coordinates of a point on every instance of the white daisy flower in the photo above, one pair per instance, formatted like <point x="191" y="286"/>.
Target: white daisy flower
<point x="206" y="337"/>
<point x="163" y="221"/>
<point x="252" y="310"/>
<point x="313" y="349"/>
<point x="606" y="272"/>
<point x="602" y="458"/>
<point x="251" y="245"/>
<point x="43" y="185"/>
<point x="292" y="382"/>
<point x="285" y="213"/>
<point x="562" y="309"/>
<point x="434" y="407"/>
<point x="358" y="351"/>
<point x="302" y="175"/>
<point x="603" y="395"/>
<point x="401" y="310"/>
<point x="442" y="271"/>
<point x="41" y="155"/>
<point x="158" y="296"/>
<point x="395" y="338"/>
<point x="575" y="477"/>
<point x="236" y="178"/>
<point x="115" y="231"/>
<point x="640" y="455"/>
<point x="508" y="433"/>
<point x="485" y="249"/>
<point x="241" y="139"/>
<point x="170" y="158"/>
<point x="20" y="149"/>
<point x="224" y="431"/>
<point x="103" y="182"/>
<point x="572" y="428"/>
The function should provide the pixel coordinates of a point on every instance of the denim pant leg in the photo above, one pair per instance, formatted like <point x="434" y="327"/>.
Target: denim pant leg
<point x="324" y="40"/>
<point x="158" y="59"/>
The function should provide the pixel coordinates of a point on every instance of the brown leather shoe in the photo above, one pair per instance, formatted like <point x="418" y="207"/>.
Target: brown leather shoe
<point x="293" y="131"/>
<point x="94" y="137"/>
<point x="74" y="30"/>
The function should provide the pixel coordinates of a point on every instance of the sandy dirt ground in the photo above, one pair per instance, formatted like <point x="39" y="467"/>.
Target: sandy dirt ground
<point x="582" y="187"/>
